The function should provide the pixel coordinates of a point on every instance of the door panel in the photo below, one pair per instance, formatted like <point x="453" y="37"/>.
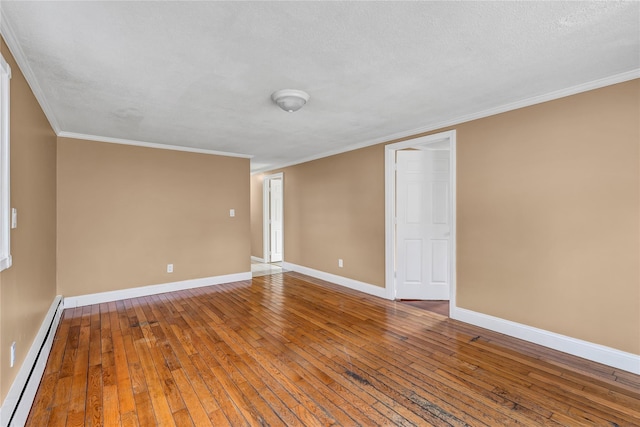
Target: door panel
<point x="413" y="260"/>
<point x="422" y="224"/>
<point x="440" y="202"/>
<point x="414" y="202"/>
<point x="275" y="220"/>
<point x="439" y="261"/>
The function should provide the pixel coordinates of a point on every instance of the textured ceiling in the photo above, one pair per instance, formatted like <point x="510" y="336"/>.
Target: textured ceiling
<point x="200" y="74"/>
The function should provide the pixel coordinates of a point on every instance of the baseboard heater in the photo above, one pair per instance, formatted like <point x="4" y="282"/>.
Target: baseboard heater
<point x="19" y="400"/>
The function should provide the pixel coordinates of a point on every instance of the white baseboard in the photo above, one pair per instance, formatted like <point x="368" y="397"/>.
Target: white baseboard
<point x="367" y="288"/>
<point x="256" y="259"/>
<point x="82" y="300"/>
<point x="597" y="353"/>
<point x="16" y="406"/>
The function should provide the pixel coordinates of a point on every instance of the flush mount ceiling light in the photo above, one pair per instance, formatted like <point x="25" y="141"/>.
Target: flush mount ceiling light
<point x="290" y="99"/>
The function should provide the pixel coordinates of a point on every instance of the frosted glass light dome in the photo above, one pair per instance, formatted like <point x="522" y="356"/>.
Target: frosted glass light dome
<point x="290" y="100"/>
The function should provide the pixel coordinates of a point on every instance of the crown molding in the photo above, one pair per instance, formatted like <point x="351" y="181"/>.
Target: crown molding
<point x="573" y="90"/>
<point x="18" y="54"/>
<point x="120" y="141"/>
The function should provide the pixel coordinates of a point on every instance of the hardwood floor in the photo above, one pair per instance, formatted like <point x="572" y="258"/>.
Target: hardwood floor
<point x="291" y="350"/>
<point x="440" y="307"/>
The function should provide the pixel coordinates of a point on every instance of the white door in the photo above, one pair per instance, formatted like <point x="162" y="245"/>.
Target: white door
<point x="422" y="228"/>
<point x="275" y="219"/>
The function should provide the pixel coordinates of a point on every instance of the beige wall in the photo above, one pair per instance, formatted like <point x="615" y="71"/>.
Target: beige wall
<point x="257" y="249"/>
<point x="125" y="212"/>
<point x="548" y="215"/>
<point x="28" y="288"/>
<point x="334" y="208"/>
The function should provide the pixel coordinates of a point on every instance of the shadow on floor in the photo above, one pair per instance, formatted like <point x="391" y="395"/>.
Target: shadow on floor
<point x="440" y="307"/>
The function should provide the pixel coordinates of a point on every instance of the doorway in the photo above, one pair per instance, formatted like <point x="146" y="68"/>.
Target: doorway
<point x="421" y="218"/>
<point x="273" y="221"/>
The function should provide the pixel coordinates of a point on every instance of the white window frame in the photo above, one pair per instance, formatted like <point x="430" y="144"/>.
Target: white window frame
<point x="5" y="176"/>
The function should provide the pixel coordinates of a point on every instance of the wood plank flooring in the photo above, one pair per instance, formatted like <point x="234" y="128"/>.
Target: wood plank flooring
<point x="440" y="307"/>
<point x="291" y="350"/>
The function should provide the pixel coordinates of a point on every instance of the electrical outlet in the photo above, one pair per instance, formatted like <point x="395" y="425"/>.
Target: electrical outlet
<point x="340" y="263"/>
<point x="12" y="357"/>
<point x="169" y="268"/>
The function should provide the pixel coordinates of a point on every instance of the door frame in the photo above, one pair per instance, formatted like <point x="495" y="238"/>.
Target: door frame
<point x="390" y="209"/>
<point x="266" y="215"/>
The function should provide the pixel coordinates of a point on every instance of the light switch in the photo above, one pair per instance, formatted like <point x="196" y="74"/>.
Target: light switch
<point x="12" y="355"/>
<point x="232" y="212"/>
<point x="14" y="218"/>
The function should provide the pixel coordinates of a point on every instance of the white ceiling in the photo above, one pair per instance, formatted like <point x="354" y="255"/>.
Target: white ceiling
<point x="200" y="74"/>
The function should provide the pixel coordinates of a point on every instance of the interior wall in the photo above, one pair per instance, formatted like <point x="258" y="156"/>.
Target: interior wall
<point x="257" y="236"/>
<point x="125" y="212"/>
<point x="334" y="209"/>
<point x="548" y="215"/>
<point x="28" y="287"/>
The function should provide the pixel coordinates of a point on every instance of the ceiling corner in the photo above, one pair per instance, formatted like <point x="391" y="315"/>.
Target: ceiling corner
<point x="10" y="39"/>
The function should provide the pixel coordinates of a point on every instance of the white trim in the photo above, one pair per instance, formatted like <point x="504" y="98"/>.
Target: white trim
<point x="18" y="54"/>
<point x="573" y="90"/>
<point x="453" y="164"/>
<point x="389" y="221"/>
<point x="266" y="215"/>
<point x="142" y="291"/>
<point x="5" y="165"/>
<point x="23" y="390"/>
<point x="4" y="66"/>
<point x="598" y="353"/>
<point x="6" y="262"/>
<point x="390" y="204"/>
<point x="256" y="259"/>
<point x="121" y="141"/>
<point x="367" y="288"/>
